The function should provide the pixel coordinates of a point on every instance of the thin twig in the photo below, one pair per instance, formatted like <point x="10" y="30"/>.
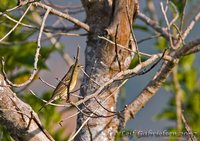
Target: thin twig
<point x="176" y="13"/>
<point x="116" y="49"/>
<point x="47" y="83"/>
<point x="85" y="122"/>
<point x="20" y="23"/>
<point x="188" y="129"/>
<point x="37" y="53"/>
<point x="64" y="15"/>
<point x="121" y="46"/>
<point x="183" y="15"/>
<point x="149" y="69"/>
<point x="53" y="104"/>
<point x="166" y="57"/>
<point x="89" y="77"/>
<point x="16" y="24"/>
<point x="180" y="34"/>
<point x="121" y="75"/>
<point x="168" y="24"/>
<point x="191" y="25"/>
<point x="153" y="25"/>
<point x="9" y="10"/>
<point x="148" y="38"/>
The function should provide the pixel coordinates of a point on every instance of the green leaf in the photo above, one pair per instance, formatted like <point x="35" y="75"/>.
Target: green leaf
<point x="167" y="114"/>
<point x="5" y="136"/>
<point x="135" y="61"/>
<point x="161" y="43"/>
<point x="190" y="79"/>
<point x="140" y="27"/>
<point x="7" y="4"/>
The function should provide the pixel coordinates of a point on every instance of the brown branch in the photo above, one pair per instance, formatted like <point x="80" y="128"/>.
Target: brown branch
<point x="18" y="118"/>
<point x="153" y="86"/>
<point x="166" y="57"/>
<point x="191" y="25"/>
<point x="116" y="49"/>
<point x="153" y="24"/>
<point x="122" y="75"/>
<point x="164" y="33"/>
<point x="65" y="16"/>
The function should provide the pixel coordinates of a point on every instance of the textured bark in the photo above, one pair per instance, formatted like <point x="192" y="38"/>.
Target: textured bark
<point x="18" y="118"/>
<point x="103" y="61"/>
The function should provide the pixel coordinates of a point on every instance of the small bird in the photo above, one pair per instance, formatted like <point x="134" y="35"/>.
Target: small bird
<point x="61" y="89"/>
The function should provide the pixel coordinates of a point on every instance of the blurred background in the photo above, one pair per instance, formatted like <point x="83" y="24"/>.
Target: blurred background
<point x="158" y="115"/>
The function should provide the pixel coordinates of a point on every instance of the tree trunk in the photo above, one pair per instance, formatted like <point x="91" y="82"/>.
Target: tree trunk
<point x="103" y="60"/>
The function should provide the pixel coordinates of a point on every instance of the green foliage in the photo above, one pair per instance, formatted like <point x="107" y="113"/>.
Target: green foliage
<point x="140" y="27"/>
<point x="4" y="135"/>
<point x="187" y="76"/>
<point x="179" y="4"/>
<point x="7" y="4"/>
<point x="18" y="49"/>
<point x="161" y="44"/>
<point x="135" y="61"/>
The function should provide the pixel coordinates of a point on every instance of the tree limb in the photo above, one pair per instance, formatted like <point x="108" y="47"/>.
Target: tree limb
<point x="154" y="85"/>
<point x="18" y="118"/>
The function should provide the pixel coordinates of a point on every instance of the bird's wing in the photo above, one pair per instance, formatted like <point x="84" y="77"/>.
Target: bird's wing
<point x="63" y="84"/>
<point x="60" y="89"/>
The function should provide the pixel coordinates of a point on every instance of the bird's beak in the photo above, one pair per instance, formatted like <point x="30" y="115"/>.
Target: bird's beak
<point x="82" y="66"/>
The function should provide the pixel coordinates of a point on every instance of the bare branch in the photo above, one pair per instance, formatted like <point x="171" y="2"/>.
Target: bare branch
<point x="37" y="53"/>
<point x="122" y="75"/>
<point x="148" y="38"/>
<point x="86" y="121"/>
<point x="191" y="25"/>
<point x="153" y="86"/>
<point x="153" y="25"/>
<point x="16" y="23"/>
<point x="63" y="15"/>
<point x="164" y="12"/>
